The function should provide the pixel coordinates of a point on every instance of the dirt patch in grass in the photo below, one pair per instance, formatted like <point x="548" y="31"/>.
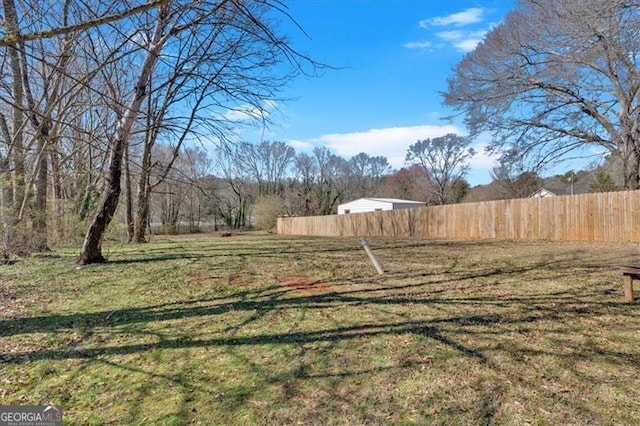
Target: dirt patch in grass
<point x="301" y="282"/>
<point x="238" y="280"/>
<point x="196" y="278"/>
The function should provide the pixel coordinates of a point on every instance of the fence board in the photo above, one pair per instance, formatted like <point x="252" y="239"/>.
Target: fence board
<point x="612" y="216"/>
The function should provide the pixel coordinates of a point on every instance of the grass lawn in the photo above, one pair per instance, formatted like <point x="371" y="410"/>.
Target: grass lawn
<point x="262" y="329"/>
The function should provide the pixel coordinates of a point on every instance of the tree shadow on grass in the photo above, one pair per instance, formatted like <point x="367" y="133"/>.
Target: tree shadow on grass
<point x="259" y="302"/>
<point x="276" y="251"/>
<point x="465" y="325"/>
<point x="547" y="307"/>
<point x="466" y="321"/>
<point x="270" y="298"/>
<point x="421" y="328"/>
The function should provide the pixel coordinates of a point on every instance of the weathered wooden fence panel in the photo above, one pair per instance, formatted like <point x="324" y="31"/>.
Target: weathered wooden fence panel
<point x="609" y="216"/>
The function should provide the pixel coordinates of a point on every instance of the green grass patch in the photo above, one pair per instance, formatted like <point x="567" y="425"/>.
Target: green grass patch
<point x="263" y="329"/>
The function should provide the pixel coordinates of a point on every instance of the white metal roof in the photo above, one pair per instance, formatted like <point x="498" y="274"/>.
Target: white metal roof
<point x="387" y="200"/>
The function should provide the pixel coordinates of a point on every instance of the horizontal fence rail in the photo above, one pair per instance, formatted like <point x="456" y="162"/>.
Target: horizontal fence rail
<point x="609" y="216"/>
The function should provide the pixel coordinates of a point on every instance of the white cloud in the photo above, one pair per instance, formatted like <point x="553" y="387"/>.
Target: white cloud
<point x="248" y="112"/>
<point x="391" y="142"/>
<point x="451" y="35"/>
<point x="418" y="45"/>
<point x="482" y="160"/>
<point x="241" y="114"/>
<point x="467" y="45"/>
<point x="244" y="113"/>
<point x="479" y="34"/>
<point x="470" y="16"/>
<point x="300" y="145"/>
<point x="464" y="41"/>
<point x="270" y="103"/>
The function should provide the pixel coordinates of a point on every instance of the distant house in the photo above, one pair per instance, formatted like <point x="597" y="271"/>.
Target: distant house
<point x="362" y="205"/>
<point x="543" y="192"/>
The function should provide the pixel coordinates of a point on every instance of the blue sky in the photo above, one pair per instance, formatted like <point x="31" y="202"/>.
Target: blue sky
<point x="394" y="57"/>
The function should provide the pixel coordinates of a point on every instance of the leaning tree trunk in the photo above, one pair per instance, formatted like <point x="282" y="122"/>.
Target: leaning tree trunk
<point x="92" y="246"/>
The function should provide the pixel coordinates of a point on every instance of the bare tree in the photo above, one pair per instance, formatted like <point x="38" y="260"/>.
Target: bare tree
<point x="196" y="169"/>
<point x="234" y="197"/>
<point x="366" y="174"/>
<point x="42" y="86"/>
<point x="331" y="180"/>
<point x="201" y="66"/>
<point x="100" y="13"/>
<point x="445" y="161"/>
<point x="237" y="52"/>
<point x="180" y="197"/>
<point x="555" y="77"/>
<point x="12" y="160"/>
<point x="300" y="195"/>
<point x="514" y="177"/>
<point x="34" y="90"/>
<point x="409" y="183"/>
<point x="266" y="163"/>
<point x="92" y="247"/>
<point x="171" y="195"/>
<point x="161" y="126"/>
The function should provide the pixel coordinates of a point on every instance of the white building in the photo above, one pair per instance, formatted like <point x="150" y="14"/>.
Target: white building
<point x="542" y="193"/>
<point x="362" y="205"/>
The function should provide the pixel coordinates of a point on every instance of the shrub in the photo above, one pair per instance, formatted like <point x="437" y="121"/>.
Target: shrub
<point x="266" y="210"/>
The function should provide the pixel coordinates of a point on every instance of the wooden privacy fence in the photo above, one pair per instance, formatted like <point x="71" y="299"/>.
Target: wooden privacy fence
<point x="610" y="216"/>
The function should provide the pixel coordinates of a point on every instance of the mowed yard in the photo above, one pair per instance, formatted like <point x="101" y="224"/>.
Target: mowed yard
<point x="264" y="329"/>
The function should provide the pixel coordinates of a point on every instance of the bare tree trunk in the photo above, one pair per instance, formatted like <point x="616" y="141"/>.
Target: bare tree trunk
<point x="40" y="114"/>
<point x="6" y="204"/>
<point x="632" y="167"/>
<point x="57" y="195"/>
<point x="57" y="179"/>
<point x="154" y="119"/>
<point x="128" y="196"/>
<point x="14" y="239"/>
<point x="636" y="183"/>
<point x="40" y="201"/>
<point x="92" y="247"/>
<point x="142" y="217"/>
<point x="630" y="164"/>
<point x="144" y="193"/>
